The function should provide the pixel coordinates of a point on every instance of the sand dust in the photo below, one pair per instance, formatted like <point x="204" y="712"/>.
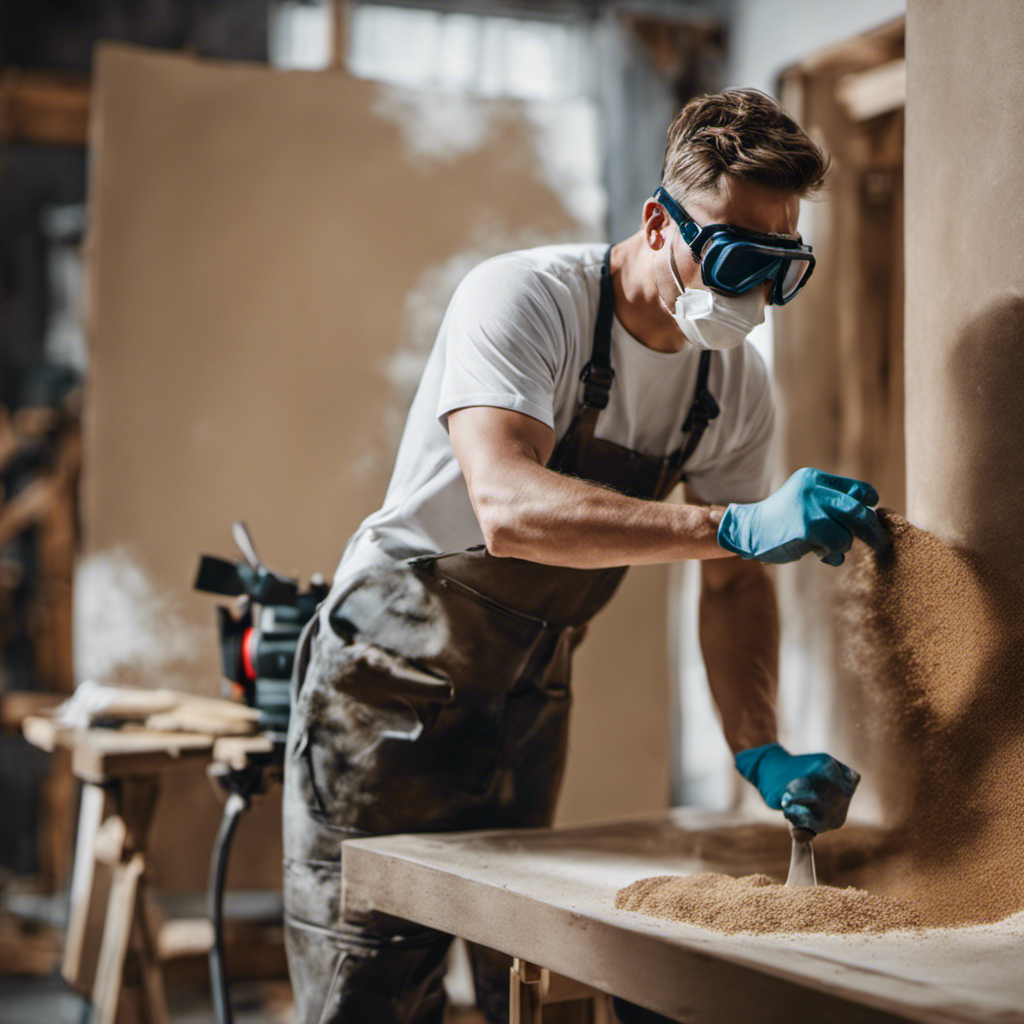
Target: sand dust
<point x="757" y="903"/>
<point x="935" y="643"/>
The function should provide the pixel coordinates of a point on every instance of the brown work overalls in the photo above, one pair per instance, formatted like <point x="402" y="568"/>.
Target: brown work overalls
<point x="432" y="694"/>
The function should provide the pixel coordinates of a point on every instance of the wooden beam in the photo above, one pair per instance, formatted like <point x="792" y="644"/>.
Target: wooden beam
<point x="879" y="90"/>
<point x="17" y="705"/>
<point x="43" y="106"/>
<point x="339" y="33"/>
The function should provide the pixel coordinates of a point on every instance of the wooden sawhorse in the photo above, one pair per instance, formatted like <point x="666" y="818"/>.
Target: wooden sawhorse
<point x="115" y="940"/>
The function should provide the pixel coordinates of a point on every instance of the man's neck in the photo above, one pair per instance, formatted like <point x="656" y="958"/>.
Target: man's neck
<point x="637" y="304"/>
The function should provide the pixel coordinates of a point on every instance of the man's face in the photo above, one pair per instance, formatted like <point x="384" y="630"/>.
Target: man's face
<point x="740" y="203"/>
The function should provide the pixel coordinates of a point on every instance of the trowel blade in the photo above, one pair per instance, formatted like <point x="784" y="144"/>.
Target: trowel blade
<point x="801" y="862"/>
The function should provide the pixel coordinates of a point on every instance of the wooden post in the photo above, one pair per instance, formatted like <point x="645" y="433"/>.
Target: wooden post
<point x="533" y="988"/>
<point x="339" y="34"/>
<point x="524" y="998"/>
<point x="90" y="883"/>
<point x="111" y="953"/>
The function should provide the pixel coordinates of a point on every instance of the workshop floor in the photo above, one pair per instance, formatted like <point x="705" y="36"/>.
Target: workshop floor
<point x="26" y="1000"/>
<point x="31" y="937"/>
<point x="48" y="1000"/>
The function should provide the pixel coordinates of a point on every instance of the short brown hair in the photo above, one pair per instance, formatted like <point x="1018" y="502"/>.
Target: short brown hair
<point x="740" y="133"/>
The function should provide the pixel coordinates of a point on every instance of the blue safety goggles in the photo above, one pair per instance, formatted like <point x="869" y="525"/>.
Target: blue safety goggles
<point x="732" y="259"/>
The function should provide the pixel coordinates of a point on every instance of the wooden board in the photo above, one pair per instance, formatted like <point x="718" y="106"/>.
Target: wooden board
<point x="98" y="755"/>
<point x="547" y="896"/>
<point x="43" y="106"/>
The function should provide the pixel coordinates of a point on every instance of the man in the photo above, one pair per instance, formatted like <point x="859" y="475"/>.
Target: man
<point x="571" y="387"/>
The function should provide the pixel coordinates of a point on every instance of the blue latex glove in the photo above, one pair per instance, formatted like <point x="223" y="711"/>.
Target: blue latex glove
<point x="812" y="790"/>
<point x="812" y="511"/>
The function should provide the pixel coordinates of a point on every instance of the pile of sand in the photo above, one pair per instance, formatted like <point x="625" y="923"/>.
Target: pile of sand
<point x="759" y="904"/>
<point x="935" y="642"/>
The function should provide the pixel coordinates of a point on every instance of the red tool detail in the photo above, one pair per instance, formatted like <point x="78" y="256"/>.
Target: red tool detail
<point x="249" y="654"/>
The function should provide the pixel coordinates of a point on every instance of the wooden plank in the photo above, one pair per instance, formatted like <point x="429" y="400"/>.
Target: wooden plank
<point x="877" y="90"/>
<point x="557" y="988"/>
<point x="547" y="896"/>
<point x="186" y="936"/>
<point x="42" y="732"/>
<point x="234" y="751"/>
<point x="211" y="715"/>
<point x="17" y="705"/>
<point x="41" y="106"/>
<point x="98" y="756"/>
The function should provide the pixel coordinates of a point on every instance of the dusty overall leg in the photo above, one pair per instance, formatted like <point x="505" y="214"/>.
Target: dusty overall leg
<point x="383" y="742"/>
<point x="381" y="970"/>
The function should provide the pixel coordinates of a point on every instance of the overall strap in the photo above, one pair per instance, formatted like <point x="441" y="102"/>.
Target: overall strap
<point x="597" y="375"/>
<point x="703" y="410"/>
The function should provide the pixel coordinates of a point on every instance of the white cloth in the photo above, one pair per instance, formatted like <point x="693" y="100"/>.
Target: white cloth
<point x="516" y="335"/>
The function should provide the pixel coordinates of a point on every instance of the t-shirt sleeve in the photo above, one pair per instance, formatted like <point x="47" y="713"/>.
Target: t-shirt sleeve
<point x="504" y="340"/>
<point x="743" y="473"/>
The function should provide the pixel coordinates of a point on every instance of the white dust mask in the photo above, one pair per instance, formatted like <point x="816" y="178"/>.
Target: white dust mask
<point x="716" y="321"/>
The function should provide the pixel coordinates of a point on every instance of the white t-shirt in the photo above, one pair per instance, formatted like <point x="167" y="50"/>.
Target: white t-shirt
<point x="516" y="335"/>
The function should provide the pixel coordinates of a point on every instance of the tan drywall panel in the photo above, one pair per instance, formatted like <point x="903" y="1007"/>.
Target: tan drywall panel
<point x="620" y="741"/>
<point x="254" y="237"/>
<point x="965" y="275"/>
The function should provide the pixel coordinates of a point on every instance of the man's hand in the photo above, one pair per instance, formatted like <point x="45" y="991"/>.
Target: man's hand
<point x="813" y="791"/>
<point x="813" y="511"/>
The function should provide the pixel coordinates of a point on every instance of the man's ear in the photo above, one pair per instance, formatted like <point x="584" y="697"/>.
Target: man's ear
<point x="655" y="223"/>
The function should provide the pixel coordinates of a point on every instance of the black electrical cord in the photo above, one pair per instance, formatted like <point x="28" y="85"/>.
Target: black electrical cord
<point x="234" y="807"/>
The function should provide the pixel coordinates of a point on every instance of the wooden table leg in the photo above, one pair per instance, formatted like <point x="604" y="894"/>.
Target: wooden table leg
<point x="120" y="919"/>
<point x="90" y="887"/>
<point x="145" y="944"/>
<point x="536" y="993"/>
<point x="524" y="999"/>
<point x="111" y="952"/>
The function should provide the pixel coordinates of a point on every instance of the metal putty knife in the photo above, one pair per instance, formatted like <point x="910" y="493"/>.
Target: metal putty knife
<point x="801" y="862"/>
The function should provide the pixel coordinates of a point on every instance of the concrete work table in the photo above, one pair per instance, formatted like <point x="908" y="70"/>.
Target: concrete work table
<point x="547" y="897"/>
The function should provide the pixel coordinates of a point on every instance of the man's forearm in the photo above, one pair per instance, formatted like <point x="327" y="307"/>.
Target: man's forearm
<point x="739" y="636"/>
<point x="555" y="519"/>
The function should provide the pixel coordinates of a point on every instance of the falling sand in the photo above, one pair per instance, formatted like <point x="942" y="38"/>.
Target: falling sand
<point x="934" y="640"/>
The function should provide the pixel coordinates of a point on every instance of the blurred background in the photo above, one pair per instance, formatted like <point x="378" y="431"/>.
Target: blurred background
<point x="228" y="233"/>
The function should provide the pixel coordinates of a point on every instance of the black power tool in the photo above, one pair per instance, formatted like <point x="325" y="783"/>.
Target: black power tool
<point x="258" y="642"/>
<point x="258" y="647"/>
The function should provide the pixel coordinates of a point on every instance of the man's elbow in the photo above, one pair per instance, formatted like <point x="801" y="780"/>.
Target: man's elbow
<point x="499" y="539"/>
<point x="497" y="524"/>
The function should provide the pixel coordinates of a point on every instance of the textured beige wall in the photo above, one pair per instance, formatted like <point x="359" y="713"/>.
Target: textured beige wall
<point x="839" y="379"/>
<point x="254" y="236"/>
<point x="965" y="275"/>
